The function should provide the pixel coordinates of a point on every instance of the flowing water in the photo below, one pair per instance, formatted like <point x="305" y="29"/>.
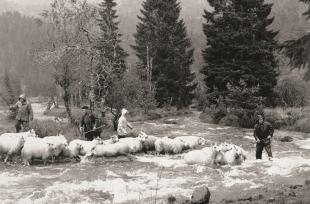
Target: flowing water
<point x="147" y="178"/>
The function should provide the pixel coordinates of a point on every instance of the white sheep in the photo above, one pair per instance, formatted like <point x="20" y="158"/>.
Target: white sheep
<point x="110" y="150"/>
<point x="73" y="150"/>
<point x="87" y="145"/>
<point x="113" y="139"/>
<point x="193" y="141"/>
<point x="149" y="143"/>
<point x="36" y="148"/>
<point x="231" y="154"/>
<point x="59" y="142"/>
<point x="30" y="133"/>
<point x="135" y="144"/>
<point x="12" y="143"/>
<point x="170" y="146"/>
<point x="205" y="156"/>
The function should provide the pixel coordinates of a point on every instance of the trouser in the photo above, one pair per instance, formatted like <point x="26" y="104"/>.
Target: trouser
<point x="260" y="147"/>
<point x="131" y="133"/>
<point x="22" y="125"/>
<point x="89" y="136"/>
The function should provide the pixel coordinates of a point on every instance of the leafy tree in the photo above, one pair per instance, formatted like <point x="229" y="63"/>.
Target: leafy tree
<point x="164" y="52"/>
<point x="239" y="46"/>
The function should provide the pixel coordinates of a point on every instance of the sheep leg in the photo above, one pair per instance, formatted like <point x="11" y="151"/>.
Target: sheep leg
<point x="6" y="158"/>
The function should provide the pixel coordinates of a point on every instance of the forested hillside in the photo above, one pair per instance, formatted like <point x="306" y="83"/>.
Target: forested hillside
<point x="23" y="32"/>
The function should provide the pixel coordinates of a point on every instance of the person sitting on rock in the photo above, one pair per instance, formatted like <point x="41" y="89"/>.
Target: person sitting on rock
<point x="263" y="132"/>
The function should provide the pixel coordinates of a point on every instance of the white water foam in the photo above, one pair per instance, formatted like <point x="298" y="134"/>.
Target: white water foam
<point x="164" y="161"/>
<point x="304" y="144"/>
<point x="286" y="166"/>
<point x="146" y="186"/>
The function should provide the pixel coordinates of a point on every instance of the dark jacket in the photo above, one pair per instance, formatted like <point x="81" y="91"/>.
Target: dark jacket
<point x="88" y="122"/>
<point x="24" y="111"/>
<point x="262" y="131"/>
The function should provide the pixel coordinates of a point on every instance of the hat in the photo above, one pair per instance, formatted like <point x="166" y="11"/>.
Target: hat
<point x="124" y="111"/>
<point x="22" y="96"/>
<point x="85" y="107"/>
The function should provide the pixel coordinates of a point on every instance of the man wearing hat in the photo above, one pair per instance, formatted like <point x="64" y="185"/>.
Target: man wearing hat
<point x="87" y="124"/>
<point x="24" y="113"/>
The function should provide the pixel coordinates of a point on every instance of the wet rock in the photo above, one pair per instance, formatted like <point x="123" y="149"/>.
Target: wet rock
<point x="171" y="121"/>
<point x="201" y="195"/>
<point x="258" y="197"/>
<point x="307" y="183"/>
<point x="286" y="139"/>
<point x="271" y="200"/>
<point x="178" y="200"/>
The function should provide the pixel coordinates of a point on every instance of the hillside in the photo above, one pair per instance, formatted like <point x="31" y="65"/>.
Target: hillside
<point x="288" y="19"/>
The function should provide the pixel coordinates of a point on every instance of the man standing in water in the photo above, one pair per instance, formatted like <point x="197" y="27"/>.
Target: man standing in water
<point x="88" y="123"/>
<point x="263" y="132"/>
<point x="24" y="113"/>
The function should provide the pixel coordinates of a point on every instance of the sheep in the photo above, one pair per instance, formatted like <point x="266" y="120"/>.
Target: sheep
<point x="193" y="141"/>
<point x="205" y="156"/>
<point x="149" y="143"/>
<point x="113" y="139"/>
<point x="87" y="145"/>
<point x="110" y="150"/>
<point x="135" y="144"/>
<point x="231" y="154"/>
<point x="12" y="143"/>
<point x="30" y="133"/>
<point x="59" y="142"/>
<point x="170" y="146"/>
<point x="36" y="148"/>
<point x="73" y="150"/>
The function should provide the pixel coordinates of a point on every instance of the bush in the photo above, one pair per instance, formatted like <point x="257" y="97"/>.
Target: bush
<point x="246" y="118"/>
<point x="302" y="125"/>
<point x="230" y="120"/>
<point x="45" y="128"/>
<point x="292" y="92"/>
<point x="283" y="118"/>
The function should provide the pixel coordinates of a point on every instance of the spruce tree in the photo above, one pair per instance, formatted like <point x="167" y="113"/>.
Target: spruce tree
<point x="164" y="52"/>
<point x="112" y="56"/>
<point x="239" y="46"/>
<point x="298" y="50"/>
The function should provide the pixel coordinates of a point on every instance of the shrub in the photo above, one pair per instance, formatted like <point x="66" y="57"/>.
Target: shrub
<point x="292" y="92"/>
<point x="302" y="125"/>
<point x="230" y="120"/>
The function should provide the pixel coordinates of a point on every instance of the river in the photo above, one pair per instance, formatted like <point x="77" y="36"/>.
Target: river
<point x="146" y="178"/>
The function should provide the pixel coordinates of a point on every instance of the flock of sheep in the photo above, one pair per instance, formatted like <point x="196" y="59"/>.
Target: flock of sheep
<point x="32" y="147"/>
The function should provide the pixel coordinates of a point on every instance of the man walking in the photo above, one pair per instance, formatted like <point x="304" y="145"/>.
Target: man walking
<point x="24" y="113"/>
<point x="88" y="123"/>
<point x="263" y="132"/>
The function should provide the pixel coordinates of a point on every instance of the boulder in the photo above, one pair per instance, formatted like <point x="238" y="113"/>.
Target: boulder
<point x="201" y="195"/>
<point x="286" y="139"/>
<point x="178" y="200"/>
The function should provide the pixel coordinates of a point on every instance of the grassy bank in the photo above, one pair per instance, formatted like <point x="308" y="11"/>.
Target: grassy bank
<point x="292" y="119"/>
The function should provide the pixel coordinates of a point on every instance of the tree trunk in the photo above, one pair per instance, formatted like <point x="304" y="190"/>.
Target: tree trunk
<point x="66" y="98"/>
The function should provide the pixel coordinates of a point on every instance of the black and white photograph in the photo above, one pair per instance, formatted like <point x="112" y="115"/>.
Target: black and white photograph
<point x="154" y="101"/>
